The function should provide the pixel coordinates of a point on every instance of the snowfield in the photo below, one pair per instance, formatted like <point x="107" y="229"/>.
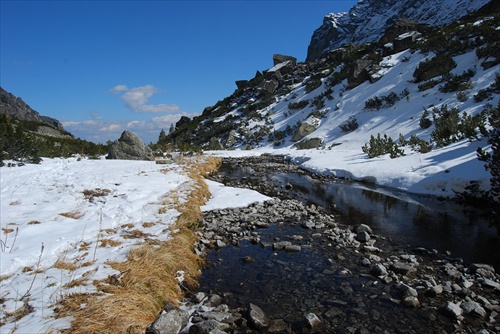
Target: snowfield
<point x="63" y="220"/>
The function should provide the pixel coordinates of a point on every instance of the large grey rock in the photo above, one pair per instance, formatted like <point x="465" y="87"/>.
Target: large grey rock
<point x="169" y="322"/>
<point x="303" y="130"/>
<point x="231" y="138"/>
<point x="129" y="147"/>
<point x="215" y="145"/>
<point x="279" y="58"/>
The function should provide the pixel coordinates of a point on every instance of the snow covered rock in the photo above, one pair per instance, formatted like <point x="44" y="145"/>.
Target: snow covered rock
<point x="368" y="20"/>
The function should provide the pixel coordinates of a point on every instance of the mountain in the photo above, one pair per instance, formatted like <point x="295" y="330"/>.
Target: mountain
<point x="369" y="19"/>
<point x="17" y="109"/>
<point x="426" y="96"/>
<point x="26" y="136"/>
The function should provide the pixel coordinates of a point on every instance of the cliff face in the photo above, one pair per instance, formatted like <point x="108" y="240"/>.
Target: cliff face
<point x="16" y="108"/>
<point x="368" y="20"/>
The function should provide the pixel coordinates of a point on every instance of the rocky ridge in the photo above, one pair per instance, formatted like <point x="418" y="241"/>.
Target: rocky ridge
<point x="368" y="20"/>
<point x="17" y="109"/>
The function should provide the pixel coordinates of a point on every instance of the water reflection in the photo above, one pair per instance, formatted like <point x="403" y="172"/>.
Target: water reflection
<point x="414" y="220"/>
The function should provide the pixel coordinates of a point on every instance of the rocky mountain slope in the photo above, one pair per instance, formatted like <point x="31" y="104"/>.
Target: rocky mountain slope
<point x="17" y="109"/>
<point x="425" y="96"/>
<point x="369" y="19"/>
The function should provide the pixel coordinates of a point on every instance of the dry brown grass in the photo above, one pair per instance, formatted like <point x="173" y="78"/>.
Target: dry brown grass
<point x="72" y="303"/>
<point x="148" y="224"/>
<point x="72" y="214"/>
<point x="148" y="277"/>
<point x="109" y="242"/>
<point x="34" y="222"/>
<point x="64" y="265"/>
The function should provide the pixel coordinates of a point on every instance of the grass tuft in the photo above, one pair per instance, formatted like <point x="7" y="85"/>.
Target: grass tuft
<point x="72" y="214"/>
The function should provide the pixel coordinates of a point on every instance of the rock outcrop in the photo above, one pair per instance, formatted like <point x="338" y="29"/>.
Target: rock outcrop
<point x="129" y="147"/>
<point x="16" y="108"/>
<point x="369" y="19"/>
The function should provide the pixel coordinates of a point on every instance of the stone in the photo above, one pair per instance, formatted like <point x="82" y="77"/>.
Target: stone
<point x="303" y="130"/>
<point x="403" y="268"/>
<point x="231" y="138"/>
<point x="257" y="317"/>
<point x="490" y="283"/>
<point x="279" y="58"/>
<point x="452" y="310"/>
<point x="269" y="86"/>
<point x="215" y="145"/>
<point x="169" y="322"/>
<point x="363" y="237"/>
<point x="312" y="320"/>
<point x="474" y="309"/>
<point x="214" y="300"/>
<point x="198" y="297"/>
<point x="293" y="248"/>
<point x="364" y="228"/>
<point x="129" y="147"/>
<point x="206" y="327"/>
<point x="407" y="290"/>
<point x="379" y="270"/>
<point x="281" y="245"/>
<point x="434" y="291"/>
<point x="220" y="244"/>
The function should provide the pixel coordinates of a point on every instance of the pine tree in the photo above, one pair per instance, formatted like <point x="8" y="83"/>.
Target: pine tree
<point x="162" y="138"/>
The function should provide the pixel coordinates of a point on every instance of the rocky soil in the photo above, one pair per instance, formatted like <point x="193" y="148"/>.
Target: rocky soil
<point x="286" y="267"/>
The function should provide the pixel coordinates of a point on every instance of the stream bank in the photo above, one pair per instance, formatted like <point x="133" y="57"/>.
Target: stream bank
<point x="288" y="266"/>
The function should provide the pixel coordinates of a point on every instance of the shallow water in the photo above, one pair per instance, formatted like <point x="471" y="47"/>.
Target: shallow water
<point x="329" y="281"/>
<point x="418" y="221"/>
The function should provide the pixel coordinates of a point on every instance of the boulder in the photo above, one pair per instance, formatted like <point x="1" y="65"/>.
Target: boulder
<point x="269" y="86"/>
<point x="231" y="138"/>
<point x="279" y="58"/>
<point x="303" y="130"/>
<point x="309" y="144"/>
<point x="129" y="147"/>
<point x="215" y="145"/>
<point x="169" y="322"/>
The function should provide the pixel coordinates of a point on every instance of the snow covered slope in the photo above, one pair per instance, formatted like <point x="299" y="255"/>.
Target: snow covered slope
<point x="368" y="20"/>
<point x="63" y="221"/>
<point x="442" y="171"/>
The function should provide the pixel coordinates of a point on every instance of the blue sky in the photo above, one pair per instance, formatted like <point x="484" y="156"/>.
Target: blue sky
<point x="102" y="67"/>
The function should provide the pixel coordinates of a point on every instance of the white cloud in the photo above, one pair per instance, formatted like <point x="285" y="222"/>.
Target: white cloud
<point x="70" y="123"/>
<point x="137" y="99"/>
<point x="118" y="89"/>
<point x="135" y="124"/>
<point x="110" y="128"/>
